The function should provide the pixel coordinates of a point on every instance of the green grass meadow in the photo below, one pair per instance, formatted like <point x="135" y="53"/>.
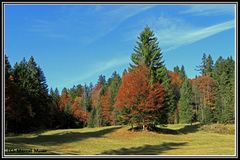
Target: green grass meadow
<point x="118" y="140"/>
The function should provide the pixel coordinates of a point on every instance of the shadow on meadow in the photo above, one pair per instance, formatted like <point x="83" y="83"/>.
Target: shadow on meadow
<point x="185" y="130"/>
<point x="57" y="139"/>
<point x="146" y="149"/>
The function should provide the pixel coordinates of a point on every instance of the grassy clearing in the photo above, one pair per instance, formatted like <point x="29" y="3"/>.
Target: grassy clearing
<point x="117" y="140"/>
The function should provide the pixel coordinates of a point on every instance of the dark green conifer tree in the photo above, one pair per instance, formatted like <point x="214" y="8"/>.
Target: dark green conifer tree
<point x="185" y="113"/>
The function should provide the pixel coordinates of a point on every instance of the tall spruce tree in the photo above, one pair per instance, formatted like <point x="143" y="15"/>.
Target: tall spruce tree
<point x="87" y="102"/>
<point x="32" y="83"/>
<point x="223" y="73"/>
<point x="201" y="68"/>
<point x="176" y="69"/>
<point x="206" y="66"/>
<point x="170" y="104"/>
<point x="114" y="85"/>
<point x="147" y="52"/>
<point x="182" y="73"/>
<point x="185" y="113"/>
<point x="209" y="66"/>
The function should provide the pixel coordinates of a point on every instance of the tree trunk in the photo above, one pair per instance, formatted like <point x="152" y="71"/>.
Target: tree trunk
<point x="143" y="125"/>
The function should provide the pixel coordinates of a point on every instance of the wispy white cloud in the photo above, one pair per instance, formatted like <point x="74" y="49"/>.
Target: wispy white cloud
<point x="209" y="9"/>
<point x="197" y="35"/>
<point x="173" y="32"/>
<point x="185" y="35"/>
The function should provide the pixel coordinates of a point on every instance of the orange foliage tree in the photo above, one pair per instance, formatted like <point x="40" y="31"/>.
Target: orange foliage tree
<point x="78" y="111"/>
<point x="207" y="88"/>
<point x="65" y="99"/>
<point x="175" y="79"/>
<point x="150" y="108"/>
<point x="140" y="103"/>
<point x="106" y="108"/>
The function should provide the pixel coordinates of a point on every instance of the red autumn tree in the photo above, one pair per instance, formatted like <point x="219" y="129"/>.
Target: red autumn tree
<point x="106" y="108"/>
<point x="78" y="111"/>
<point x="64" y="100"/>
<point x="137" y="99"/>
<point x="175" y="79"/>
<point x="151" y="107"/>
<point x="206" y="86"/>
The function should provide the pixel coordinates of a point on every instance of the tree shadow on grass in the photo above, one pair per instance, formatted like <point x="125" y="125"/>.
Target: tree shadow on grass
<point x="185" y="130"/>
<point x="189" y="128"/>
<point x="60" y="138"/>
<point x="146" y="149"/>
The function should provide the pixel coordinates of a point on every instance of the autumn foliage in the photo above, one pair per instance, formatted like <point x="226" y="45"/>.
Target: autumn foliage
<point x="78" y="111"/>
<point x="141" y="100"/>
<point x="106" y="107"/>
<point x="206" y="86"/>
<point x="153" y="104"/>
<point x="64" y="100"/>
<point x="175" y="79"/>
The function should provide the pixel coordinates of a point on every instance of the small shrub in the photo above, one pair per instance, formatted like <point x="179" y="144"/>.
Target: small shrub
<point x="219" y="128"/>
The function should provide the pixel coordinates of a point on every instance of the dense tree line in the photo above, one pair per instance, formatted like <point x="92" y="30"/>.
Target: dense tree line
<point x="27" y="103"/>
<point x="145" y="95"/>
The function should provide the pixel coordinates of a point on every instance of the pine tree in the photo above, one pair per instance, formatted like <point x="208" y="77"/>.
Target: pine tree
<point x="10" y="98"/>
<point x="148" y="53"/>
<point x="8" y="68"/>
<point x="176" y="69"/>
<point x="182" y="73"/>
<point x="209" y="66"/>
<point x="114" y="85"/>
<point x="201" y="68"/>
<point x="169" y="97"/>
<point x="36" y="79"/>
<point x="28" y="83"/>
<point x="87" y="97"/>
<point x="76" y="91"/>
<point x="54" y="94"/>
<point x="92" y="118"/>
<point x="206" y="66"/>
<point x="185" y="113"/>
<point x="223" y="73"/>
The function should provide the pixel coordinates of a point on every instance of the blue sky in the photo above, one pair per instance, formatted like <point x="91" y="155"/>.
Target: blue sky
<point x="74" y="44"/>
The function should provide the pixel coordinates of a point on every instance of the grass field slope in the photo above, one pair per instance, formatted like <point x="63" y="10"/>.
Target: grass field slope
<point x="118" y="140"/>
